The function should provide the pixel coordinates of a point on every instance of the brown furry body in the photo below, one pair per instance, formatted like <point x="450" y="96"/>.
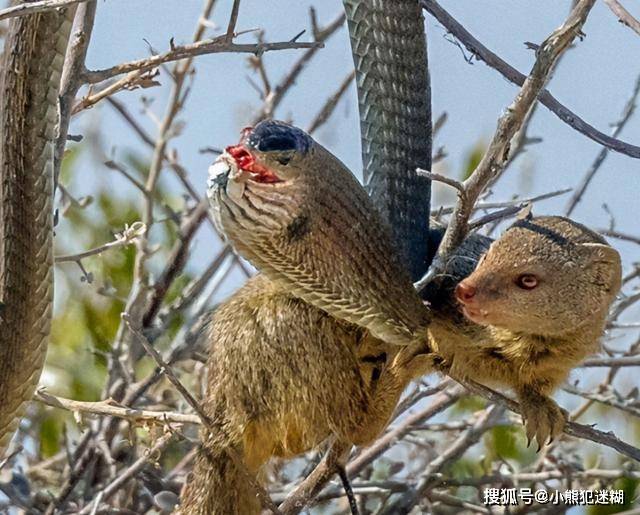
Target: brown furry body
<point x="283" y="377"/>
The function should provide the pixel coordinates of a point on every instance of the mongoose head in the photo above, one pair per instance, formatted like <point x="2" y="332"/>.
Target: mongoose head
<point x="545" y="276"/>
<point x="300" y="217"/>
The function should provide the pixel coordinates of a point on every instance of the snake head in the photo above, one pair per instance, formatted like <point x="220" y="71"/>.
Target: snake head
<point x="266" y="154"/>
<point x="256" y="175"/>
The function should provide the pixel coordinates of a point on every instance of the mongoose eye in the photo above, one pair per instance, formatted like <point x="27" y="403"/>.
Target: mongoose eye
<point x="527" y="281"/>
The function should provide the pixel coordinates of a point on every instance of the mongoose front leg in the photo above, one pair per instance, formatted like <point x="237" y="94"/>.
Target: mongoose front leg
<point x="417" y="360"/>
<point x="542" y="417"/>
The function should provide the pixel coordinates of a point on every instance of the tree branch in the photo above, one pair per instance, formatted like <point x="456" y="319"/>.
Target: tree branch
<point x="623" y="15"/>
<point x="35" y="7"/>
<point x="211" y="46"/>
<point x="511" y="74"/>
<point x="110" y="408"/>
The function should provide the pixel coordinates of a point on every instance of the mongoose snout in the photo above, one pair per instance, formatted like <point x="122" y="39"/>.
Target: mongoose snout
<point x="465" y="292"/>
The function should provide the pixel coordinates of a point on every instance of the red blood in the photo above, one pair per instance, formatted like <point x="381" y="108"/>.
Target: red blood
<point x="247" y="162"/>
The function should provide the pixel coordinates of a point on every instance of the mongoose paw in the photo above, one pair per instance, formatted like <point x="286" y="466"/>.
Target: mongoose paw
<point x="543" y="419"/>
<point x="417" y="360"/>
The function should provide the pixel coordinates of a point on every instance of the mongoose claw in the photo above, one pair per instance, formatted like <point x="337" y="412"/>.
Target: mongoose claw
<point x="417" y="360"/>
<point x="543" y="419"/>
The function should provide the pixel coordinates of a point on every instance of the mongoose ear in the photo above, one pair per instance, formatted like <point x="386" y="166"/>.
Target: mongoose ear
<point x="600" y="253"/>
<point x="605" y="254"/>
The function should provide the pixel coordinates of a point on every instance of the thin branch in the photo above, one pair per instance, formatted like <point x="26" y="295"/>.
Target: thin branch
<point x="507" y="203"/>
<point x="177" y="53"/>
<point x="457" y="185"/>
<point x="330" y="105"/>
<point x="168" y="372"/>
<point x="306" y="491"/>
<point x="620" y="235"/>
<point x="127" y="474"/>
<point x="74" y="69"/>
<point x="497" y="215"/>
<point x="470" y="437"/>
<point x="35" y="7"/>
<point x="626" y="361"/>
<point x="233" y="20"/>
<point x="275" y="96"/>
<point x="624" y="16"/>
<point x="571" y="428"/>
<point x="511" y="74"/>
<point x="627" y="113"/>
<point x="126" y="237"/>
<point x="110" y="408"/>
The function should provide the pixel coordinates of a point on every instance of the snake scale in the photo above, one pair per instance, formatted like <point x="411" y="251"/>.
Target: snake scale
<point x="390" y="56"/>
<point x="389" y="53"/>
<point x="34" y="54"/>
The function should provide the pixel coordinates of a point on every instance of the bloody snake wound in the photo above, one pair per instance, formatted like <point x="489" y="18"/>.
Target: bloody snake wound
<point x="245" y="161"/>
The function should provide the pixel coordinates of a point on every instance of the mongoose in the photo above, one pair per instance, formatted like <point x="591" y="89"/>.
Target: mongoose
<point x="538" y="301"/>
<point x="288" y="367"/>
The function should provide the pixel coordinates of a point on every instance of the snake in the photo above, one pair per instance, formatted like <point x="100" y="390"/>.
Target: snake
<point x="390" y="58"/>
<point x="300" y="217"/>
<point x="33" y="59"/>
<point x="294" y="211"/>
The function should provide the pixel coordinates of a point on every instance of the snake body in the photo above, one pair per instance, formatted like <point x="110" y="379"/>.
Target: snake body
<point x="32" y="65"/>
<point x="390" y="56"/>
<point x="296" y="212"/>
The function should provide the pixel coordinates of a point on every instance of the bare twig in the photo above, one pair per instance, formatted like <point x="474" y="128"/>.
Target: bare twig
<point x="71" y="80"/>
<point x="275" y="96"/>
<point x="470" y="437"/>
<point x="126" y="237"/>
<point x="168" y="372"/>
<point x="626" y="361"/>
<point x="129" y="473"/>
<point x="233" y="20"/>
<point x="110" y="408"/>
<point x="519" y="203"/>
<point x="627" y="113"/>
<point x="35" y="7"/>
<point x="623" y="15"/>
<point x="311" y="486"/>
<point x="177" y="53"/>
<point x="329" y="106"/>
<point x="571" y="428"/>
<point x="457" y="185"/>
<point x="620" y="235"/>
